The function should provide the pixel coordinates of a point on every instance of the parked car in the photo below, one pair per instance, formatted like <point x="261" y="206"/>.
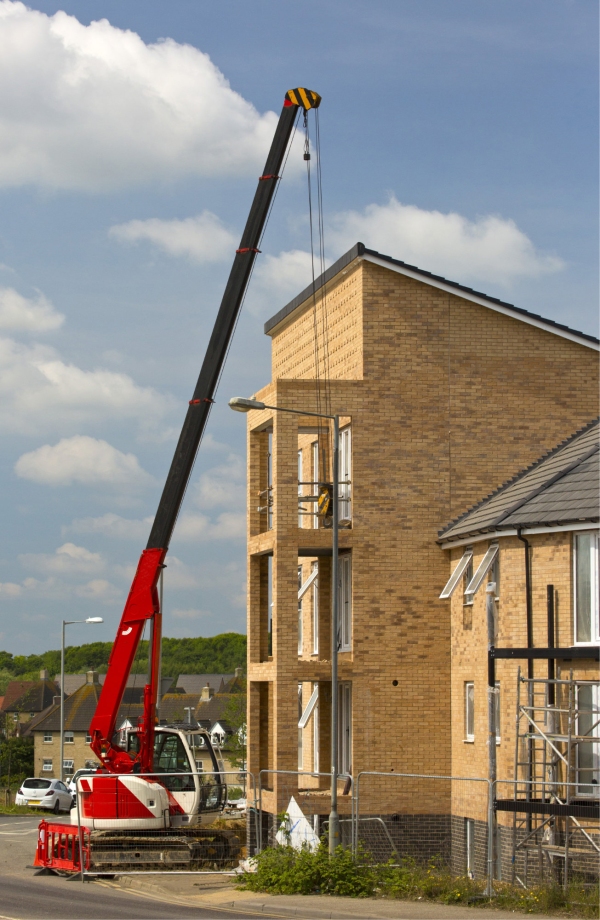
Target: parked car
<point x="72" y="783"/>
<point x="44" y="793"/>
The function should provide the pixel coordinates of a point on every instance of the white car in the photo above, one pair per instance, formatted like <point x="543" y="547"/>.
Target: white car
<point x="44" y="793"/>
<point x="72" y="783"/>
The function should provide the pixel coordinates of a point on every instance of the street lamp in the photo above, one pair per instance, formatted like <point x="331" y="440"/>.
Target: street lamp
<point x="62" y="686"/>
<point x="240" y="404"/>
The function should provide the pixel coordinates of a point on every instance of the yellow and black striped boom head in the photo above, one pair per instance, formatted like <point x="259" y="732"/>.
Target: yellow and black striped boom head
<point x="302" y="97"/>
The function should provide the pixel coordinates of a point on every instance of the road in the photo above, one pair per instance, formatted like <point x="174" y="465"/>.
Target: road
<point x="25" y="896"/>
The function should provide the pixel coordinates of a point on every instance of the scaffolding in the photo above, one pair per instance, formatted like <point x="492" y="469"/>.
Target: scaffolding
<point x="555" y="831"/>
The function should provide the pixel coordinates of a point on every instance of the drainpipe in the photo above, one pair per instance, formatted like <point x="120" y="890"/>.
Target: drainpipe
<point x="528" y="599"/>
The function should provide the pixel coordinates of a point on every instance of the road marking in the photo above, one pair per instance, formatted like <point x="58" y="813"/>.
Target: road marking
<point x="199" y="905"/>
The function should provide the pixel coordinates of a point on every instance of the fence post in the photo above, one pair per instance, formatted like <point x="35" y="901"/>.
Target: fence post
<point x="491" y="826"/>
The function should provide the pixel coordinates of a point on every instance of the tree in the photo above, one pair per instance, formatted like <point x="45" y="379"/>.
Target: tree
<point x="235" y="714"/>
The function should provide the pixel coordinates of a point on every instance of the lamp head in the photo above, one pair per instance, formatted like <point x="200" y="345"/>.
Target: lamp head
<point x="239" y="404"/>
<point x="94" y="620"/>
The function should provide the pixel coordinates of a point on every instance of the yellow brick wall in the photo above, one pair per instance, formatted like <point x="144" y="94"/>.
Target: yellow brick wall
<point x="447" y="399"/>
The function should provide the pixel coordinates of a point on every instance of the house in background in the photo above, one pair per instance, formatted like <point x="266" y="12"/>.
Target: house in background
<point x="541" y="527"/>
<point x="442" y="393"/>
<point x="24" y="700"/>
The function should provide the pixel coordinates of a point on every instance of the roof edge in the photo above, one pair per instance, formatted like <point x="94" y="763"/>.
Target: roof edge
<point x="360" y="250"/>
<point x="519" y="475"/>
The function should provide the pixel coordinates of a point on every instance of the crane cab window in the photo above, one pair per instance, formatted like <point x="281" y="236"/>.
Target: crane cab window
<point x="170" y="756"/>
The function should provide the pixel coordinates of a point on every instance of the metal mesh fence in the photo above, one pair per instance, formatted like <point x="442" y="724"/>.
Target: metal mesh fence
<point x="424" y="819"/>
<point x="547" y="832"/>
<point x="175" y="822"/>
<point x="294" y="807"/>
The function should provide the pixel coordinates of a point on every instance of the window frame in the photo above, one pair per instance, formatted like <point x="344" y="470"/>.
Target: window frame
<point x="48" y="737"/>
<point x="69" y="737"/>
<point x="594" y="613"/>
<point x="315" y="611"/>
<point x="314" y="450"/>
<point x="345" y="728"/>
<point x="47" y="765"/>
<point x="345" y="473"/>
<point x="300" y="616"/>
<point x="68" y="765"/>
<point x="345" y="602"/>
<point x="469" y="708"/>
<point x="589" y="790"/>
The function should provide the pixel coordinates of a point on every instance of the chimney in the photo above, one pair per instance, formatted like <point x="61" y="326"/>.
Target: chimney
<point x="91" y="677"/>
<point x="56" y="700"/>
<point x="43" y="674"/>
<point x="207" y="693"/>
<point x="238" y="672"/>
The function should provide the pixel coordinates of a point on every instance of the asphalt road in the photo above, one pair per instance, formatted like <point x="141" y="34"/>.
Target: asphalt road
<point x="26" y="896"/>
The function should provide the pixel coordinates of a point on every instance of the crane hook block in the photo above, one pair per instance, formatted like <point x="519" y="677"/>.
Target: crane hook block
<point x="302" y="97"/>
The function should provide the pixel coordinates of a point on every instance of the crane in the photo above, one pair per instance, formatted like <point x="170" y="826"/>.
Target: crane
<point x="127" y="796"/>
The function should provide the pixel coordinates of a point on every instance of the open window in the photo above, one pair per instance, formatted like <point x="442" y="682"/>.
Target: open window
<point x="457" y="574"/>
<point x="586" y="586"/>
<point x="345" y="474"/>
<point x="482" y="569"/>
<point x="469" y="710"/>
<point x="345" y="602"/>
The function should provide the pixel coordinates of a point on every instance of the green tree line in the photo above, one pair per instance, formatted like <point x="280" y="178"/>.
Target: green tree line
<point x="214" y="655"/>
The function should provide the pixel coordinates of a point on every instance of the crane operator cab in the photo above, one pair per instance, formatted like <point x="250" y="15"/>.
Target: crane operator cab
<point x="186" y="765"/>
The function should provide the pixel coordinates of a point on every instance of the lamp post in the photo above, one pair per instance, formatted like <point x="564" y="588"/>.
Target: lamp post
<point x="62" y="685"/>
<point x="239" y="404"/>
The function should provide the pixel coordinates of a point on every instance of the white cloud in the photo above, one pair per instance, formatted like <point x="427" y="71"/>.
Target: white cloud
<point x="178" y="575"/>
<point x="201" y="239"/>
<point x="9" y="589"/>
<point x="94" y="107"/>
<point x="279" y="278"/>
<point x="99" y="590"/>
<point x="490" y="248"/>
<point x="189" y="614"/>
<point x="83" y="460"/>
<point x="27" y="314"/>
<point x="222" y="486"/>
<point x="229" y="525"/>
<point x="68" y="559"/>
<point x="113" y="526"/>
<point x="39" y="392"/>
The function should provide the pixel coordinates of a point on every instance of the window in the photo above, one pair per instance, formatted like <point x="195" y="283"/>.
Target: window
<point x="15" y="716"/>
<point x="345" y="728"/>
<point x="270" y="482"/>
<point x="585" y="576"/>
<point x="345" y="603"/>
<point x="47" y="737"/>
<point x="69" y="738"/>
<point x="300" y="646"/>
<point x="482" y="570"/>
<point x="466" y="558"/>
<point x="470" y="847"/>
<point x="467" y="578"/>
<point x="315" y="718"/>
<point x="315" y="611"/>
<point x="469" y="711"/>
<point x="345" y="475"/>
<point x="300" y="731"/>
<point x="270" y="603"/>
<point x="199" y="766"/>
<point x="497" y="713"/>
<point x="68" y="766"/>
<point x="300" y="488"/>
<point x="588" y="752"/>
<point x="47" y="766"/>
<point x="31" y="715"/>
<point x="88" y="738"/>
<point x="315" y="477"/>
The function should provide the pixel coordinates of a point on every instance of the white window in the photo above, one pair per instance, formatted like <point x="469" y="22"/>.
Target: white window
<point x="300" y="730"/>
<point x="47" y="766"/>
<point x="470" y="847"/>
<point x="300" y="630"/>
<point x="345" y="728"/>
<point x="345" y="603"/>
<point x="345" y="475"/>
<point x="300" y="488"/>
<point x="482" y="570"/>
<point x="69" y="738"/>
<point x="588" y="726"/>
<point x="461" y="569"/>
<point x="270" y="482"/>
<point x="315" y="483"/>
<point x="15" y="716"/>
<point x="467" y="579"/>
<point x="88" y="738"/>
<point x="315" y="611"/>
<point x="68" y="766"/>
<point x="585" y="577"/>
<point x="497" y="712"/>
<point x="199" y="766"/>
<point x="469" y="711"/>
<point x="270" y="604"/>
<point x="315" y="718"/>
<point x="47" y="737"/>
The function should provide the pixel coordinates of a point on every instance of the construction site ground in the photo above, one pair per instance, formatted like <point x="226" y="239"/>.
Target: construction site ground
<point x="26" y="896"/>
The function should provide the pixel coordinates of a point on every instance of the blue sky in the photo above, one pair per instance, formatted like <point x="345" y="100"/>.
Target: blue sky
<point x="460" y="136"/>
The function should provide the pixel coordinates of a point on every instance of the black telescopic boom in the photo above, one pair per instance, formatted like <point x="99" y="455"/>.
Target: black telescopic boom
<point x="199" y="407"/>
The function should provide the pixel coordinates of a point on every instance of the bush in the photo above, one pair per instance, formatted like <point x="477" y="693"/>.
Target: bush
<point x="284" y="870"/>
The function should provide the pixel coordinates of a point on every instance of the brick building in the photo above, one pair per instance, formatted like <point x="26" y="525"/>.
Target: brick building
<point x="544" y="519"/>
<point x="443" y="393"/>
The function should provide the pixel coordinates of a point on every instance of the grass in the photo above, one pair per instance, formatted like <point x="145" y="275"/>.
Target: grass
<point x="284" y="870"/>
<point x="23" y="810"/>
